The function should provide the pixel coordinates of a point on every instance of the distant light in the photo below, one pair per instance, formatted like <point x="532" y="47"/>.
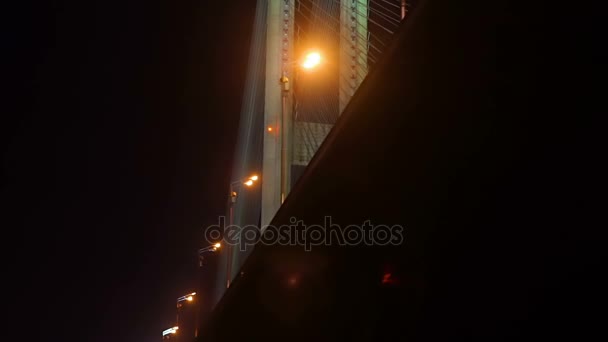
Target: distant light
<point x="189" y="298"/>
<point x="170" y="331"/>
<point x="293" y="280"/>
<point x="390" y="279"/>
<point x="217" y="245"/>
<point x="249" y="183"/>
<point x="254" y="178"/>
<point x="269" y="128"/>
<point x="311" y="60"/>
<point x="193" y="294"/>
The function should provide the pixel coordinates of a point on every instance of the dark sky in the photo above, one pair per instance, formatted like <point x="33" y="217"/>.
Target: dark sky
<point x="118" y="131"/>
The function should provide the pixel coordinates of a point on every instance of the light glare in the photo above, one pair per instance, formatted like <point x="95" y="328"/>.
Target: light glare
<point x="311" y="60"/>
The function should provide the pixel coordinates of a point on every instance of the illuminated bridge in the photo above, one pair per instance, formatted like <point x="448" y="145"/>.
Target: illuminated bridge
<point x="307" y="60"/>
<point x="440" y="117"/>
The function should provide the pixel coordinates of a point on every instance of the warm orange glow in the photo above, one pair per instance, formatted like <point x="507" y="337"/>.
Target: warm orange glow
<point x="189" y="298"/>
<point x="217" y="245"/>
<point x="312" y="60"/>
<point x="249" y="183"/>
<point x="254" y="178"/>
<point x="269" y="128"/>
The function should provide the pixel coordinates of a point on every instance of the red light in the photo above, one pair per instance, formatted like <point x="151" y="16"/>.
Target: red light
<point x="390" y="277"/>
<point x="292" y="281"/>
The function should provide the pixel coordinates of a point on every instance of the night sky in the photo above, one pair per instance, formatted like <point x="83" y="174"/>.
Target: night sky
<point x="118" y="132"/>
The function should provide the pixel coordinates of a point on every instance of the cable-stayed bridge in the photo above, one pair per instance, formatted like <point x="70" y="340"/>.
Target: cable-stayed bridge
<point x="290" y="103"/>
<point x="453" y="134"/>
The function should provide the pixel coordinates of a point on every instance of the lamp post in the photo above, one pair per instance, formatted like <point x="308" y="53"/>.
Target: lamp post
<point x="186" y="298"/>
<point x="189" y="298"/>
<point x="202" y="251"/>
<point x="233" y="194"/>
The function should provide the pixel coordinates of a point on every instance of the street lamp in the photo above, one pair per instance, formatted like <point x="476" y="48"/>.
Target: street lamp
<point x="248" y="182"/>
<point x="186" y="298"/>
<point x="169" y="332"/>
<point x="183" y="299"/>
<point x="211" y="248"/>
